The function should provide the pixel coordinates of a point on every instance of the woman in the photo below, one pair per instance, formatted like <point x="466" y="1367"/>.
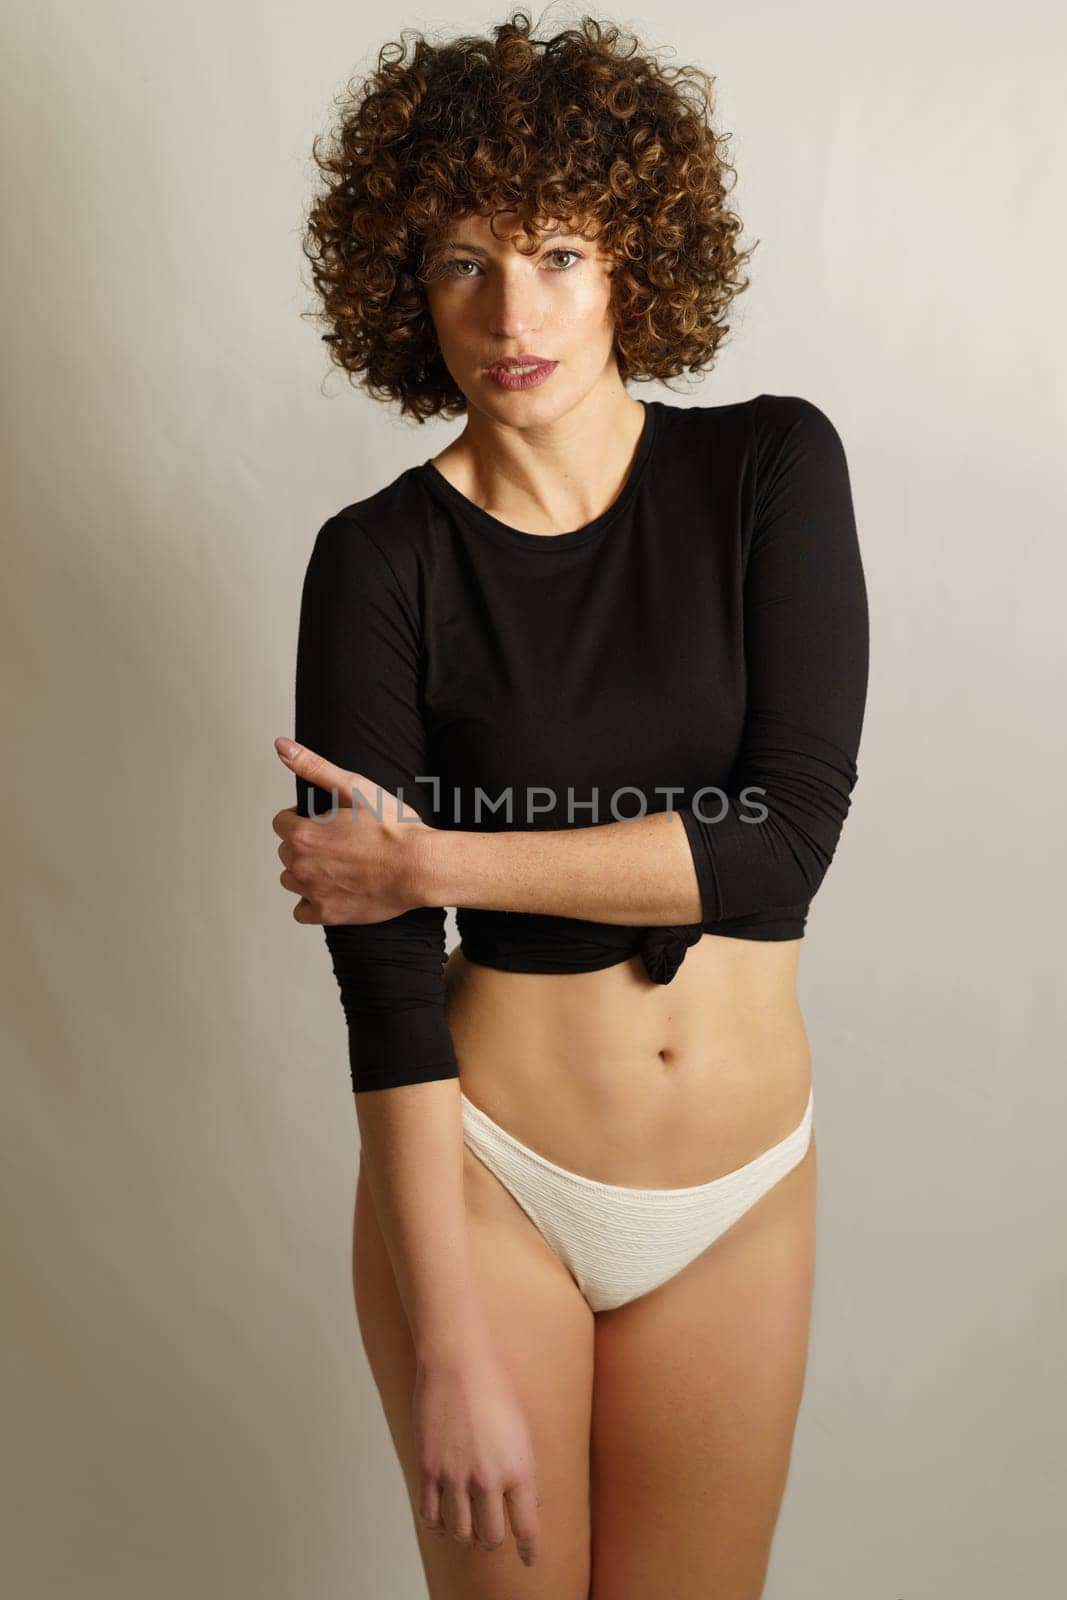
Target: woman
<point x="584" y="1224"/>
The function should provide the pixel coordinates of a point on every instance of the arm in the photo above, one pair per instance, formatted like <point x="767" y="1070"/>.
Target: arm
<point x="633" y="873"/>
<point x="412" y="1152"/>
<point x="806" y="656"/>
<point x="357" y="705"/>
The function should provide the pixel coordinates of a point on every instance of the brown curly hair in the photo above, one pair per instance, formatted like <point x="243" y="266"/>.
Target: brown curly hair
<point x="573" y="129"/>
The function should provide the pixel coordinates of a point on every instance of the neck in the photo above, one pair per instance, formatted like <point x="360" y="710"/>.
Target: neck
<point x="554" y="476"/>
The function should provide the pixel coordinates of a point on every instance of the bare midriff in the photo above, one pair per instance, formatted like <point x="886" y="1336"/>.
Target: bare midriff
<point x="637" y="1083"/>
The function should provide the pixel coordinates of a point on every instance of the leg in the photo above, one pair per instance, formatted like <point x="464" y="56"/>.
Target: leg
<point x="698" y="1385"/>
<point x="545" y="1330"/>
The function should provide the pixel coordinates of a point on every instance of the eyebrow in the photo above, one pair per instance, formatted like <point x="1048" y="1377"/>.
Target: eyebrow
<point x="477" y="250"/>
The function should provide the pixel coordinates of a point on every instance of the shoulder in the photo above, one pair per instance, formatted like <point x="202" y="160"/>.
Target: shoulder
<point x="777" y="418"/>
<point x="797" y="449"/>
<point x="691" y="422"/>
<point x="377" y="536"/>
<point x="390" y="512"/>
<point x="343" y="551"/>
<point x="760" y="424"/>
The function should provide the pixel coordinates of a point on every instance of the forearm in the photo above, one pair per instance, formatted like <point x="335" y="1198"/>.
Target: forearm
<point x="412" y="1154"/>
<point x="636" y="873"/>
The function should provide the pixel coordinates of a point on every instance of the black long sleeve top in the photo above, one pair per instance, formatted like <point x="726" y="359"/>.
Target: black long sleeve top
<point x="702" y="645"/>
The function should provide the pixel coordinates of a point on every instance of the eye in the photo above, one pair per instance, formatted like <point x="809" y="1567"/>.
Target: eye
<point x="452" y="268"/>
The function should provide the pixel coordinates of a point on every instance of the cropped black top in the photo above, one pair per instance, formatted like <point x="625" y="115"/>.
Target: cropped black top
<point x="702" y="645"/>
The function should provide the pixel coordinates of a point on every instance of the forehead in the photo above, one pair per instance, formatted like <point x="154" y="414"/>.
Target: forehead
<point x="497" y="232"/>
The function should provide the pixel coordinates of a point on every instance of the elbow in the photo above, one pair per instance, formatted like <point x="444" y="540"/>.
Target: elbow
<point x="801" y="830"/>
<point x="772" y="846"/>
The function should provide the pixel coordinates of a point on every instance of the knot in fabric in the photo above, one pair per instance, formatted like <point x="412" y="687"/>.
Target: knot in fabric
<point x="663" y="949"/>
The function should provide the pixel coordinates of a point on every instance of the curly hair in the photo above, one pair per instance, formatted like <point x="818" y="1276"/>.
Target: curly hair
<point x="576" y="129"/>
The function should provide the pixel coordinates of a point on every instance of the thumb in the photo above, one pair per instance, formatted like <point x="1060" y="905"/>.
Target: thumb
<point x="316" y="769"/>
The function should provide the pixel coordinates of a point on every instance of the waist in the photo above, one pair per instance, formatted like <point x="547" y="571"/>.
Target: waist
<point x="526" y="942"/>
<point x="630" y="1081"/>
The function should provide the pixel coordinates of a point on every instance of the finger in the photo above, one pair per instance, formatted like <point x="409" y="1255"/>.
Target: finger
<point x="289" y="880"/>
<point x="429" y="1508"/>
<point x="283" y="822"/>
<point x="523" y="1502"/>
<point x="316" y="769"/>
<point x="456" y="1514"/>
<point x="489" y="1521"/>
<point x="305" y="912"/>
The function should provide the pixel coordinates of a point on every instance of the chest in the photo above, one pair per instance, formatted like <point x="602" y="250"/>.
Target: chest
<point x="617" y="670"/>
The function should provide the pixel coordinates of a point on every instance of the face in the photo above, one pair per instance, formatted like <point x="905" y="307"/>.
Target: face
<point x="488" y="301"/>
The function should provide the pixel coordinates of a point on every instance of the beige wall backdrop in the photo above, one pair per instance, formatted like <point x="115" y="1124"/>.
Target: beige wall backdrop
<point x="189" y="1411"/>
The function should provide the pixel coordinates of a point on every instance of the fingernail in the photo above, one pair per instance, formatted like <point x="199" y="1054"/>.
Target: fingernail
<point x="286" y="748"/>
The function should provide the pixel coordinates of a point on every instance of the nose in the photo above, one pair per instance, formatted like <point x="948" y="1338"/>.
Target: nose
<point x="514" y="308"/>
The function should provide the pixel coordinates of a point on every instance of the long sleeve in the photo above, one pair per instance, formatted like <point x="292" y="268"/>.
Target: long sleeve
<point x="357" y="704"/>
<point x="806" y="663"/>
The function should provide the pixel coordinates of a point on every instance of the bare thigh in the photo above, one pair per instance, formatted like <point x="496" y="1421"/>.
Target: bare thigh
<point x="544" y="1330"/>
<point x="697" y="1390"/>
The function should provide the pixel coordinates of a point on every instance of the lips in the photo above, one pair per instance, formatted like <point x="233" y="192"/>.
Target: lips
<point x="513" y="363"/>
<point x="521" y="372"/>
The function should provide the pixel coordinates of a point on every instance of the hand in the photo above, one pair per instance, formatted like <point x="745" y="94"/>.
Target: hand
<point x="351" y="868"/>
<point x="475" y="1456"/>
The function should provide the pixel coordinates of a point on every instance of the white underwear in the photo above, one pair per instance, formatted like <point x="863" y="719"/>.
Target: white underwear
<point x="616" y="1242"/>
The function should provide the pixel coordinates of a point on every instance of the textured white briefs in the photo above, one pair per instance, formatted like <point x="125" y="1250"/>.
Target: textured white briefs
<point x="619" y="1242"/>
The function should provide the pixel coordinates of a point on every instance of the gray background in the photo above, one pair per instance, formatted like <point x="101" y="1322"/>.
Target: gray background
<point x="189" y="1409"/>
